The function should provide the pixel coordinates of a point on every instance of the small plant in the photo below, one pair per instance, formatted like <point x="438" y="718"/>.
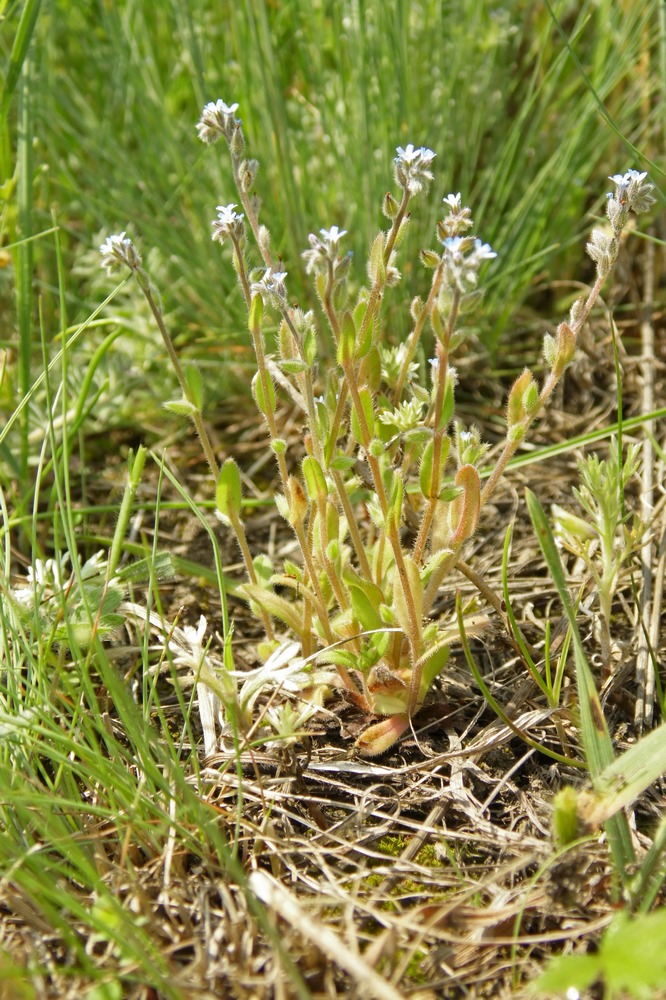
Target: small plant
<point x="630" y="961"/>
<point x="388" y="487"/>
<point x="603" y="540"/>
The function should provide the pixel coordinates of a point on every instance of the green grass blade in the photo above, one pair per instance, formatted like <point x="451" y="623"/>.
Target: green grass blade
<point x="513" y="623"/>
<point x="494" y="704"/>
<point x="594" y="730"/>
<point x="20" y="47"/>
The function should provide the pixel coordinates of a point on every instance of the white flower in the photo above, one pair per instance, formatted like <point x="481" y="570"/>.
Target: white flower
<point x="271" y="287"/>
<point x="412" y="168"/>
<point x="453" y="201"/>
<point x="323" y="251"/>
<point x="333" y="235"/>
<point x="229" y="224"/>
<point x="464" y="257"/>
<point x="457" y="221"/>
<point x="119" y="251"/>
<point x="217" y="119"/>
<point x="410" y="156"/>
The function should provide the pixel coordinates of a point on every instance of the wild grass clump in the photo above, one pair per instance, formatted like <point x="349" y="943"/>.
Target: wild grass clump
<point x="388" y="485"/>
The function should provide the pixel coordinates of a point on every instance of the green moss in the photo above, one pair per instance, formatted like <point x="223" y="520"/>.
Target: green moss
<point x="429" y="858"/>
<point x="392" y="845"/>
<point x="414" y="969"/>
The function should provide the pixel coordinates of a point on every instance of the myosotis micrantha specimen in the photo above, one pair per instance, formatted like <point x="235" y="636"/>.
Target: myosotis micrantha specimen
<point x="382" y="450"/>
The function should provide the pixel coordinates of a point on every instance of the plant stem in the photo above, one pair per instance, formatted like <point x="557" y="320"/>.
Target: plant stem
<point x="415" y="335"/>
<point x="144" y="285"/>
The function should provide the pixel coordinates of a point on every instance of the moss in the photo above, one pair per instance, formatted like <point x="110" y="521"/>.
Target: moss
<point x="415" y="970"/>
<point x="429" y="858"/>
<point x="392" y="845"/>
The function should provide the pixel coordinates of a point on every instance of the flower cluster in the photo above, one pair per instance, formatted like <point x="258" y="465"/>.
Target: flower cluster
<point x="463" y="259"/>
<point x="229" y="224"/>
<point x="632" y="194"/>
<point x="118" y="252"/>
<point x="405" y="417"/>
<point x="412" y="168"/>
<point x="323" y="253"/>
<point x="218" y="120"/>
<point x="602" y="250"/>
<point x="271" y="287"/>
<point x="392" y="358"/>
<point x="457" y="221"/>
<point x="632" y="191"/>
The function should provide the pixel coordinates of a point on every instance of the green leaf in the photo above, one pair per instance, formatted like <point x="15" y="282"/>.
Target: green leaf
<point x="363" y="346"/>
<point x="620" y="784"/>
<point x="195" y="386"/>
<point x="315" y="481"/>
<point x="310" y="346"/>
<point x="343" y="463"/>
<point x="370" y="370"/>
<point x="182" y="407"/>
<point x="294" y="366"/>
<point x="160" y="567"/>
<point x="434" y="662"/>
<point x="416" y="591"/>
<point x="377" y="266"/>
<point x="567" y="972"/>
<point x="22" y="40"/>
<point x="258" y="393"/>
<point x="633" y="954"/>
<point x="347" y="342"/>
<point x="366" y="611"/>
<point x="289" y="613"/>
<point x="228" y="492"/>
<point x="425" y="471"/>
<point x="339" y="657"/>
<point x="368" y="411"/>
<point x="256" y="314"/>
<point x="448" y="405"/>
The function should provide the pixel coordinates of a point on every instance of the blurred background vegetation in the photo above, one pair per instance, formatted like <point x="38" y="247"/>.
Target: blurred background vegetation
<point x="529" y="106"/>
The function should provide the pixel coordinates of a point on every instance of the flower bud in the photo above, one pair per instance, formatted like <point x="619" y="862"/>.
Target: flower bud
<point x="469" y="504"/>
<point x="429" y="258"/>
<point x="566" y="347"/>
<point x="237" y="143"/>
<point x="416" y="308"/>
<point x="298" y="502"/>
<point x="516" y="410"/>
<point x="390" y="206"/>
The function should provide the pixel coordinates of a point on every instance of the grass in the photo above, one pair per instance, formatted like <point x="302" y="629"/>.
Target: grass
<point x="125" y="860"/>
<point x="495" y="93"/>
